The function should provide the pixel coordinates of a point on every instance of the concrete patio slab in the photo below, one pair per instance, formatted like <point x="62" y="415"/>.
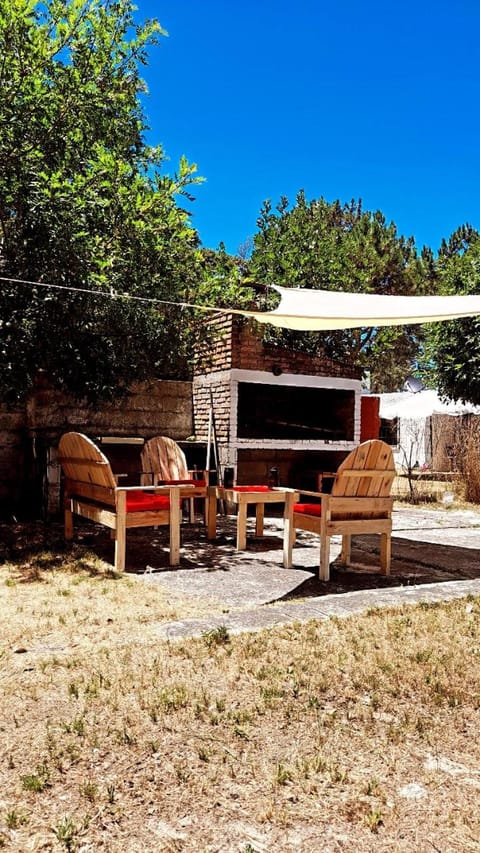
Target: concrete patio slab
<point x="435" y="557"/>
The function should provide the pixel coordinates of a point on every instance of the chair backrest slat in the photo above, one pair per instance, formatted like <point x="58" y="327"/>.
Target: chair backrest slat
<point x="82" y="461"/>
<point x="162" y="459"/>
<point x="361" y="473"/>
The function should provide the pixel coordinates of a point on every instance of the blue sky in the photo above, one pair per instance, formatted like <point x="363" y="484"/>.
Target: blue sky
<point x="371" y="100"/>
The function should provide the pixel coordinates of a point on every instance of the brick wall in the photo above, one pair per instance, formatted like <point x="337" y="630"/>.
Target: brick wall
<point x="234" y="342"/>
<point x="218" y="386"/>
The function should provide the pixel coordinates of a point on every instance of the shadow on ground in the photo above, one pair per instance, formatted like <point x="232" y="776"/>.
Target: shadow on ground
<point x="427" y="547"/>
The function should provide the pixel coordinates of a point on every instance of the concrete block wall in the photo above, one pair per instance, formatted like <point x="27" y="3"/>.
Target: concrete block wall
<point x="149" y="408"/>
<point x="29" y="435"/>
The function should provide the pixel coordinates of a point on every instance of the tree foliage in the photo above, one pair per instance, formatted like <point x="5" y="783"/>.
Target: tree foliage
<point x="84" y="204"/>
<point x="334" y="246"/>
<point x="454" y="346"/>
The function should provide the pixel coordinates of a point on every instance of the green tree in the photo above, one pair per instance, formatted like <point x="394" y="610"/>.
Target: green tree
<point x="84" y="203"/>
<point x="334" y="246"/>
<point x="454" y="346"/>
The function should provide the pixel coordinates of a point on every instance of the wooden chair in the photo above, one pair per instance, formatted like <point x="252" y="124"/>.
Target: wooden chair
<point x="91" y="492"/>
<point x="359" y="503"/>
<point x="164" y="462"/>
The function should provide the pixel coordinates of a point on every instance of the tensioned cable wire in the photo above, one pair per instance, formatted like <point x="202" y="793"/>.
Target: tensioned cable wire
<point x="128" y="296"/>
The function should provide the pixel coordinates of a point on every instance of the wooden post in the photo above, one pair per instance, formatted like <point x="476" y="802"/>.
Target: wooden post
<point x="242" y="524"/>
<point x="259" y="518"/>
<point x="325" y="539"/>
<point x="121" y="530"/>
<point x="209" y="438"/>
<point x="288" y="528"/>
<point x="216" y="455"/>
<point x="174" y="493"/>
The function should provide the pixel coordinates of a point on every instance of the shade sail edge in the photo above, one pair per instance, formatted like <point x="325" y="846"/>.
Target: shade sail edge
<point x="303" y="309"/>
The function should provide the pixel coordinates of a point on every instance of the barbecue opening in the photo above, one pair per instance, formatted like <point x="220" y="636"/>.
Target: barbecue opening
<point x="285" y="412"/>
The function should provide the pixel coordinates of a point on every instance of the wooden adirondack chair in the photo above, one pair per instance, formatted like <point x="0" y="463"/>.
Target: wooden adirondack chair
<point x="359" y="503"/>
<point x="164" y="462"/>
<point x="92" y="492"/>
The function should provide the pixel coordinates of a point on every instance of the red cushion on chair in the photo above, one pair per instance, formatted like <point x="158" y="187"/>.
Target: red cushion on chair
<point x="138" y="501"/>
<point x="199" y="483"/>
<point x="251" y="489"/>
<point x="308" y="509"/>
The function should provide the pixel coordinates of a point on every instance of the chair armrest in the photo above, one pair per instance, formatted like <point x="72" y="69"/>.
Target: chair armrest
<point x="313" y="494"/>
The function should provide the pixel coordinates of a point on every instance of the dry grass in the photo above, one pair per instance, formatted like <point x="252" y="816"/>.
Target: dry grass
<point x="53" y="601"/>
<point x="430" y="491"/>
<point x="300" y="738"/>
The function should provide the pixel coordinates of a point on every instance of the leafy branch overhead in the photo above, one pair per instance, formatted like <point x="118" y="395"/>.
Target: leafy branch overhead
<point x="454" y="347"/>
<point x="335" y="246"/>
<point x="84" y="202"/>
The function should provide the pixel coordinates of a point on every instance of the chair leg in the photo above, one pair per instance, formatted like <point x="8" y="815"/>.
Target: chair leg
<point x="324" y="558"/>
<point x="120" y="546"/>
<point x="346" y="549"/>
<point x="325" y="539"/>
<point x="120" y="531"/>
<point x="211" y="513"/>
<point x="385" y="553"/>
<point x="191" y="509"/>
<point x="68" y="522"/>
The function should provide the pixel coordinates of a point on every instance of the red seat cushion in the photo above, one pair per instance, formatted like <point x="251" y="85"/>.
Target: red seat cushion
<point x="251" y="489"/>
<point x="138" y="501"/>
<point x="308" y="509"/>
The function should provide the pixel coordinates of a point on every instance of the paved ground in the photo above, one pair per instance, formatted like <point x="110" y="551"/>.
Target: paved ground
<point x="435" y="556"/>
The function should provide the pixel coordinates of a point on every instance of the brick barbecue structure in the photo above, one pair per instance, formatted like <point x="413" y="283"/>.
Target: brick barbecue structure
<point x="274" y="407"/>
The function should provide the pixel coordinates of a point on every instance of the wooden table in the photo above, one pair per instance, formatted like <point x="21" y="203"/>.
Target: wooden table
<point x="259" y="496"/>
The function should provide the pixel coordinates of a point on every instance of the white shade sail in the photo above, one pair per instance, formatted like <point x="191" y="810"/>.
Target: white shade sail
<point x="322" y="310"/>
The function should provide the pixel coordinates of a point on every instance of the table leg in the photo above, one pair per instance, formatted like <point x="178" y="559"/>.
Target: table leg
<point x="242" y="527"/>
<point x="259" y="517"/>
<point x="288" y="529"/>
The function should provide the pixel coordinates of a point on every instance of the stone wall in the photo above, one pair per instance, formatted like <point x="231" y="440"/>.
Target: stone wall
<point x="30" y="435"/>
